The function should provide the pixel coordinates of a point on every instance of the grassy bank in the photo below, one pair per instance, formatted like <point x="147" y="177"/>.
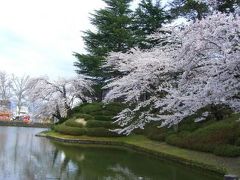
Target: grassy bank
<point x="220" y="137"/>
<point x="197" y="144"/>
<point x="207" y="161"/>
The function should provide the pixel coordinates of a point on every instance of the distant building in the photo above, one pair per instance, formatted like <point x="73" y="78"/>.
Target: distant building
<point x="23" y="110"/>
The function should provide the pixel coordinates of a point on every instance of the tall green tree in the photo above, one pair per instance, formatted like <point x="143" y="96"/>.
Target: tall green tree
<point x="113" y="33"/>
<point x="227" y="5"/>
<point x="149" y="16"/>
<point x="197" y="9"/>
<point x="190" y="9"/>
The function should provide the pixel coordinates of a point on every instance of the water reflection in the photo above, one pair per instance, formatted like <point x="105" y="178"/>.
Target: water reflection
<point x="26" y="157"/>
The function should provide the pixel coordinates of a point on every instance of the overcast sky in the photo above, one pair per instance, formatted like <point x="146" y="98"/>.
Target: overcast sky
<point x="37" y="37"/>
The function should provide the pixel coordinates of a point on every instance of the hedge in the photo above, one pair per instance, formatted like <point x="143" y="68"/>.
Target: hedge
<point x="103" y="118"/>
<point x="73" y="123"/>
<point x="205" y="139"/>
<point x="76" y="131"/>
<point x="101" y="132"/>
<point x="105" y="124"/>
<point x="86" y="117"/>
<point x="89" y="108"/>
<point x="227" y="150"/>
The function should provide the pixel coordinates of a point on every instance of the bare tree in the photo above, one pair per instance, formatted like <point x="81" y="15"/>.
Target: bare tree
<point x="5" y="86"/>
<point x="19" y="90"/>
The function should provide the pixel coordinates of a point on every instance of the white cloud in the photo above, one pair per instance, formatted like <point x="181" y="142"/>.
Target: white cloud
<point x="37" y="37"/>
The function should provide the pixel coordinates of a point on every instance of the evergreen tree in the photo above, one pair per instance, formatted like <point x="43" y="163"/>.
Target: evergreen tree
<point x="113" y="33"/>
<point x="190" y="9"/>
<point x="197" y="9"/>
<point x="148" y="18"/>
<point x="227" y="5"/>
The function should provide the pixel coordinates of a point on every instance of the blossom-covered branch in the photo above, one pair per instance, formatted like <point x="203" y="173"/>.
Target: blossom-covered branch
<point x="197" y="65"/>
<point x="57" y="98"/>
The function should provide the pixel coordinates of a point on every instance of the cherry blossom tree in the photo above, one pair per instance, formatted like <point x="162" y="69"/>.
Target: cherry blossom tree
<point x="57" y="98"/>
<point x="193" y="66"/>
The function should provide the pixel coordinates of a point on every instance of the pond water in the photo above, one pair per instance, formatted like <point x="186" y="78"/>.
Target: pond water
<point x="27" y="157"/>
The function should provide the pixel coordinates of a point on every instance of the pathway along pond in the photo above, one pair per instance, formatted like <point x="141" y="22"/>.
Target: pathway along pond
<point x="27" y="157"/>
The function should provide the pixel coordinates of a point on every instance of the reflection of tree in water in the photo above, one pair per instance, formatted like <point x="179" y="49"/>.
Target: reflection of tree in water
<point x="118" y="172"/>
<point x="67" y="168"/>
<point x="26" y="157"/>
<point x="98" y="163"/>
<point x="109" y="163"/>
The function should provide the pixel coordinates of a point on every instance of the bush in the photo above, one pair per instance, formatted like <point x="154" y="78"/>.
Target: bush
<point x="86" y="117"/>
<point x="185" y="141"/>
<point x="73" y="123"/>
<point x="207" y="138"/>
<point x="237" y="143"/>
<point x="101" y="132"/>
<point x="105" y="124"/>
<point x="103" y="118"/>
<point x="76" y="131"/>
<point x="77" y="109"/>
<point x="227" y="150"/>
<point x="114" y="107"/>
<point x="153" y="132"/>
<point x="89" y="108"/>
<point x="103" y="113"/>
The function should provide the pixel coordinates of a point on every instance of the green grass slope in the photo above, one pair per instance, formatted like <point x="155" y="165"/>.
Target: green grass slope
<point x="93" y="119"/>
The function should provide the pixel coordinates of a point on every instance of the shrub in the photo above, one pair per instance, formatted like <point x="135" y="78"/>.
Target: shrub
<point x="105" y="124"/>
<point x="103" y="113"/>
<point x="237" y="143"/>
<point x="157" y="137"/>
<point x="223" y="132"/>
<point x="207" y="138"/>
<point x="89" y="108"/>
<point x="153" y="132"/>
<point x="114" y="107"/>
<point x="86" y="117"/>
<point x="77" y="109"/>
<point x="103" y="118"/>
<point x="227" y="150"/>
<point x="101" y="132"/>
<point x="76" y="131"/>
<point x="73" y="123"/>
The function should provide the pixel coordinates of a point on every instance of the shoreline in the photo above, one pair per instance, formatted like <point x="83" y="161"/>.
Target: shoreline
<point x="21" y="124"/>
<point x="199" y="160"/>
